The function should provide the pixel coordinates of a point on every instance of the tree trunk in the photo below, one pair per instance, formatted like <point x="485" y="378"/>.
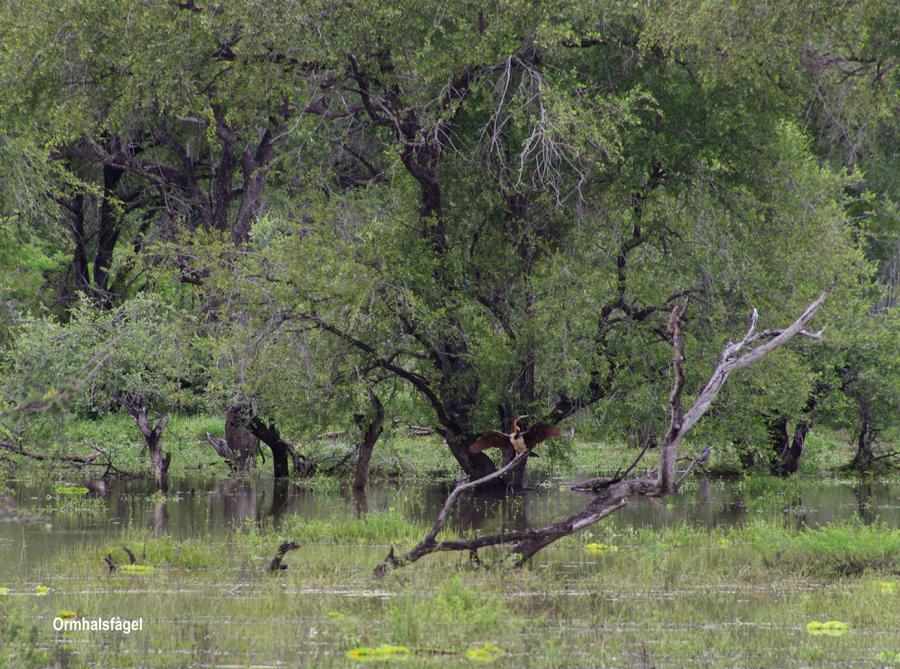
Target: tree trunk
<point x="240" y="441"/>
<point x="475" y="465"/>
<point x="516" y="477"/>
<point x="79" y="253"/>
<point x="376" y="426"/>
<point x="136" y="405"/>
<point x="779" y="443"/>
<point x="864" y="457"/>
<point x="107" y="236"/>
<point x="281" y="449"/>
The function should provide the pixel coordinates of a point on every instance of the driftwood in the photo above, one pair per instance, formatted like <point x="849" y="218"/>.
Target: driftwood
<point x="111" y="564"/>
<point x="283" y="549"/>
<point x="614" y="494"/>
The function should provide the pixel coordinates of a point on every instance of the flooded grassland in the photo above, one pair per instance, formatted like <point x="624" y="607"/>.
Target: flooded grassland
<point x="755" y="572"/>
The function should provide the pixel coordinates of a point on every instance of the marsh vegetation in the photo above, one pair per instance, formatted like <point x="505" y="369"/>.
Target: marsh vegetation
<point x="399" y="332"/>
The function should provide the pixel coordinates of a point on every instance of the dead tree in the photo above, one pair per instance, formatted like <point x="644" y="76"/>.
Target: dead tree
<point x="240" y="446"/>
<point x="241" y="441"/>
<point x="613" y="495"/>
<point x="136" y="406"/>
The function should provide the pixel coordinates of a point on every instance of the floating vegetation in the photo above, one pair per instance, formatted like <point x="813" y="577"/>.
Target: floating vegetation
<point x="71" y="490"/>
<point x="41" y="590"/>
<point x="887" y="587"/>
<point x="484" y="652"/>
<point x="65" y="614"/>
<point x="600" y="549"/>
<point x="888" y="656"/>
<point x="136" y="569"/>
<point x="75" y="505"/>
<point x="379" y="653"/>
<point x="829" y="628"/>
<point x="4" y="591"/>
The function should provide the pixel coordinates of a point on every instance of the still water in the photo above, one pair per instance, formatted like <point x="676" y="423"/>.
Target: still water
<point x="33" y="529"/>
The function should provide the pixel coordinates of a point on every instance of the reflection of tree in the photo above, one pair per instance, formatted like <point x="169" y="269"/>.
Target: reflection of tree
<point x="160" y="518"/>
<point x="284" y="495"/>
<point x="361" y="500"/>
<point x="484" y="507"/>
<point x="863" y="493"/>
<point x="796" y="504"/>
<point x="239" y="499"/>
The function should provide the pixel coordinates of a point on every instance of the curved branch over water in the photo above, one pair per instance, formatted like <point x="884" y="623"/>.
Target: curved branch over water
<point x="615" y="494"/>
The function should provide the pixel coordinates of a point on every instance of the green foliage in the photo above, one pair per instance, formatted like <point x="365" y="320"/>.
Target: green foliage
<point x="494" y="206"/>
<point x="143" y="347"/>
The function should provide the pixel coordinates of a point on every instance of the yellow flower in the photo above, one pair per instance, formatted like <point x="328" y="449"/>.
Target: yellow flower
<point x="600" y="549"/>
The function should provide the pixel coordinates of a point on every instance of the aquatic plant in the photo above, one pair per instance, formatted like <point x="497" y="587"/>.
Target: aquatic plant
<point x="829" y="628"/>
<point x="600" y="549"/>
<point x="71" y="490"/>
<point x="136" y="569"/>
<point x="379" y="653"/>
<point x="41" y="590"/>
<point x="484" y="652"/>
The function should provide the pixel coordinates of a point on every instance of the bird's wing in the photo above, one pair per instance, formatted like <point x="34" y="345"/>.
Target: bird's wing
<point x="540" y="432"/>
<point x="490" y="440"/>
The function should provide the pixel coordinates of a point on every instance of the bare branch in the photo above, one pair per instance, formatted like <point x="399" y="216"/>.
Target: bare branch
<point x="613" y="495"/>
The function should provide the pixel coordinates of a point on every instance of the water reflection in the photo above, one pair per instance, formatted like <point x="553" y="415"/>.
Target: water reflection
<point x="196" y="508"/>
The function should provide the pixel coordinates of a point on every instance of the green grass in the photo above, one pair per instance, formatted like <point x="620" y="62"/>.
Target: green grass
<point x="394" y="457"/>
<point x="730" y="597"/>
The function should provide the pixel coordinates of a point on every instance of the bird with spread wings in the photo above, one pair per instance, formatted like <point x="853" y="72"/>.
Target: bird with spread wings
<point x="519" y="440"/>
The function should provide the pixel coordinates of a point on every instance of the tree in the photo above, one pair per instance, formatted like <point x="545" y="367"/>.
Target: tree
<point x="611" y="495"/>
<point x="534" y="218"/>
<point x="137" y="356"/>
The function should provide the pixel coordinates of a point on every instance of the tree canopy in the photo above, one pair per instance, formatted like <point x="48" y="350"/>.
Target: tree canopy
<point x="486" y="209"/>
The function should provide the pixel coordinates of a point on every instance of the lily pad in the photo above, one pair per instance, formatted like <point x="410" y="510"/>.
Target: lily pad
<point x="379" y="653"/>
<point x="829" y="628"/>
<point x="136" y="569"/>
<point x="71" y="490"/>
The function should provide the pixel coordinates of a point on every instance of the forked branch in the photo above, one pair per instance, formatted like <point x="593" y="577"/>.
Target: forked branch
<point x="613" y="495"/>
